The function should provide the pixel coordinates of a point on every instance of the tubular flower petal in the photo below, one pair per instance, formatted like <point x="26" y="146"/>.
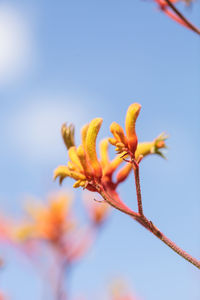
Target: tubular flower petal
<point x="72" y="152"/>
<point x="124" y="172"/>
<point x="63" y="172"/>
<point x="83" y="159"/>
<point x="71" y="166"/>
<point x="104" y="153"/>
<point x="90" y="145"/>
<point x="68" y="135"/>
<point x="114" y="164"/>
<point x="78" y="183"/>
<point x="131" y="117"/>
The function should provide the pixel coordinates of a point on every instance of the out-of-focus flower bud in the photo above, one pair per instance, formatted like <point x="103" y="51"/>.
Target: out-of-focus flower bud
<point x="97" y="211"/>
<point x="68" y="135"/>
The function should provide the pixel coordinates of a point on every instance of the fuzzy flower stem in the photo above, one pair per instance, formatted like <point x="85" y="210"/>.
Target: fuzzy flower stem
<point x="177" y="12"/>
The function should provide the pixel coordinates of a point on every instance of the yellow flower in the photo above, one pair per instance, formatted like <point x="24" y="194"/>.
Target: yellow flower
<point x="84" y="165"/>
<point x="126" y="143"/>
<point x="87" y="169"/>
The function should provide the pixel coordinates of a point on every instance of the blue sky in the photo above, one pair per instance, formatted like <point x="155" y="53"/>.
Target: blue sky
<point x="77" y="60"/>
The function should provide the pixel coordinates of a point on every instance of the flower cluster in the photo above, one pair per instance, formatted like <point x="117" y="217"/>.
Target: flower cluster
<point x="48" y="222"/>
<point x="88" y="170"/>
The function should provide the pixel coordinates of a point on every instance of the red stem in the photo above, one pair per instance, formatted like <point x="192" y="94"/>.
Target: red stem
<point x="138" y="189"/>
<point x="140" y="218"/>
<point x="177" y="16"/>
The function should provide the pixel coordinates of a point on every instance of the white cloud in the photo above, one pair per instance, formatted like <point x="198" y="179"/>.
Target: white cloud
<point x="16" y="47"/>
<point x="34" y="130"/>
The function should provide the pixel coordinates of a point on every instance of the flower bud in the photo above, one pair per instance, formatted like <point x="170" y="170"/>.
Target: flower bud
<point x="90" y="145"/>
<point x="68" y="135"/>
<point x="131" y="117"/>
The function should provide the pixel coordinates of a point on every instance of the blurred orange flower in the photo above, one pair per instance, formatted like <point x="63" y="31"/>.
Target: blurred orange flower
<point x="120" y="291"/>
<point x="97" y="211"/>
<point x="49" y="222"/>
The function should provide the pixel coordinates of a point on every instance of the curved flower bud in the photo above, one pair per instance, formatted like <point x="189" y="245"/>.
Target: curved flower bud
<point x="131" y="117"/>
<point x="72" y="152"/>
<point x="68" y="135"/>
<point x="64" y="171"/>
<point x="82" y="183"/>
<point x="118" y="133"/>
<point x="98" y="212"/>
<point x="90" y="145"/>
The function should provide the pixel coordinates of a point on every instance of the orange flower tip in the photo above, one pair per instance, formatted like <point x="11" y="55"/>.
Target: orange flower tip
<point x="90" y="145"/>
<point x="161" y="144"/>
<point x="68" y="135"/>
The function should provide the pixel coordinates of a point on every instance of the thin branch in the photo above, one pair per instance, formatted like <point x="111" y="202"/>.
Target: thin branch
<point x="152" y="228"/>
<point x="184" y="19"/>
<point x="141" y="219"/>
<point x="114" y="203"/>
